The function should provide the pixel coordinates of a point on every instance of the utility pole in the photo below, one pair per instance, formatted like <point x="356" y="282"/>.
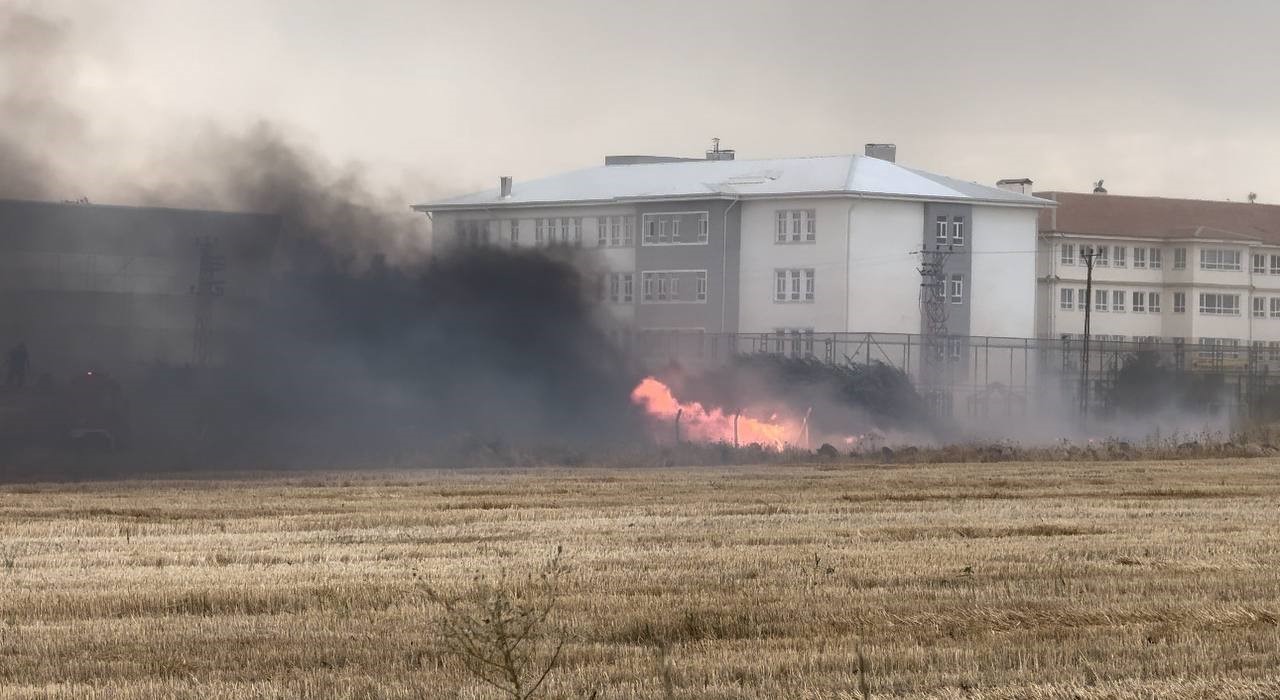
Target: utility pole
<point x="1087" y="254"/>
<point x="933" y="313"/>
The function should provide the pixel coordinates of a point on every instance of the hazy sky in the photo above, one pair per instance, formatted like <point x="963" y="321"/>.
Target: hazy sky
<point x="1169" y="98"/>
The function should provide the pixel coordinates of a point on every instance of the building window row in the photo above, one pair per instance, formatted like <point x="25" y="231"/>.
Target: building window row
<point x="1152" y="258"/>
<point x="949" y="230"/>
<point x="794" y="341"/>
<point x="795" y="285"/>
<point x="471" y="232"/>
<point x="796" y="226"/>
<point x="566" y="231"/>
<point x="1266" y="307"/>
<point x="1110" y="300"/>
<point x="1111" y="256"/>
<point x="664" y="229"/>
<point x="1264" y="264"/>
<point x="615" y="231"/>
<point x="663" y="286"/>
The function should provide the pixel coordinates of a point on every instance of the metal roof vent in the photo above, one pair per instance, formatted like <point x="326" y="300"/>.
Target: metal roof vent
<point x="883" y="151"/>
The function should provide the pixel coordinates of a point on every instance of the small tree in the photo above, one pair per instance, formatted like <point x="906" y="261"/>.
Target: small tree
<point x="500" y="629"/>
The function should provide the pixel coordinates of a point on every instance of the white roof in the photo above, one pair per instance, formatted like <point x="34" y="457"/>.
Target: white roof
<point x="709" y="179"/>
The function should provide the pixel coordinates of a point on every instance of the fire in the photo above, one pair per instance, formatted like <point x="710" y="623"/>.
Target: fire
<point x="699" y="424"/>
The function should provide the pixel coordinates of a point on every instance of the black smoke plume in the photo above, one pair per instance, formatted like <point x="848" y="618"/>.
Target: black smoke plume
<point x="368" y="345"/>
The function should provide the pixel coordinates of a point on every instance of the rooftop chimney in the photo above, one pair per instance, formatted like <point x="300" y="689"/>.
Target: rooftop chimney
<point x="883" y="151"/>
<point x="1021" y="185"/>
<point x="717" y="153"/>
<point x="504" y="186"/>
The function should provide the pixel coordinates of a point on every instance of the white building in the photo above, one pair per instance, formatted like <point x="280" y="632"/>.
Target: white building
<point x="794" y="245"/>
<point x="1177" y="270"/>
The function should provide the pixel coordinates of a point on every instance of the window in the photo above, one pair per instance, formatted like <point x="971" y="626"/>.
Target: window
<point x="1219" y="259"/>
<point x="621" y="287"/>
<point x="1083" y="296"/>
<point x="609" y="230"/>
<point x="1100" y="300"/>
<point x="1153" y="302"/>
<point x="955" y="348"/>
<point x="704" y="228"/>
<point x="1117" y="300"/>
<point x="1259" y="307"/>
<point x="658" y="286"/>
<point x="470" y="232"/>
<point x="664" y="228"/>
<point x="1101" y="256"/>
<point x="1118" y="255"/>
<point x="577" y="231"/>
<point x="1273" y="350"/>
<point x="1139" y="258"/>
<point x="1220" y="304"/>
<point x="1219" y="347"/>
<point x="540" y="231"/>
<point x="1259" y="266"/>
<point x="1139" y="298"/>
<point x="1067" y="299"/>
<point x="798" y="340"/>
<point x="1068" y="254"/>
<point x="1156" y="258"/>
<point x="702" y="285"/>
<point x="1179" y="302"/>
<point x="794" y="285"/>
<point x="1275" y="265"/>
<point x="564" y="231"/>
<point x="515" y="232"/>
<point x="957" y="230"/>
<point x="1179" y="258"/>
<point x="1275" y="307"/>
<point x="957" y="288"/>
<point x="797" y="226"/>
<point x="940" y="231"/>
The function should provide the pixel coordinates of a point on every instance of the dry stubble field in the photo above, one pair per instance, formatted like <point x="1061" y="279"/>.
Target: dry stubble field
<point x="1018" y="580"/>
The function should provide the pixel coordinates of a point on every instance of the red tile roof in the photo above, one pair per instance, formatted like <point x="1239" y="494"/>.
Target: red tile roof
<point x="1158" y="217"/>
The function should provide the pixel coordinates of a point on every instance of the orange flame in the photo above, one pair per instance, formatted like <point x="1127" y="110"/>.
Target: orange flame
<point x="702" y="425"/>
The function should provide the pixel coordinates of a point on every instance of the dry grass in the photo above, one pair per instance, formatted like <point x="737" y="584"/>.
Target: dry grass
<point x="1014" y="580"/>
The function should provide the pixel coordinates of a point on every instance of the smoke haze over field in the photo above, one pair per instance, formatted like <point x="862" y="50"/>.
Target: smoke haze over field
<point x="371" y="345"/>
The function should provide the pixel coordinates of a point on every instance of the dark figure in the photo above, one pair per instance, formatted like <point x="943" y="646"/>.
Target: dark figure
<point x="18" y="360"/>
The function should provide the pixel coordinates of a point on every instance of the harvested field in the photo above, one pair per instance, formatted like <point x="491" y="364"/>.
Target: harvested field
<point x="1013" y="580"/>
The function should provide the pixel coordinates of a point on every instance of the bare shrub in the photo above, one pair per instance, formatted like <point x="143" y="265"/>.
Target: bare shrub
<point x="501" y="629"/>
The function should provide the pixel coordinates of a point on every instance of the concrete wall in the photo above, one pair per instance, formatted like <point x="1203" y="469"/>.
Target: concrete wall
<point x="1004" y="272"/>
<point x="761" y="255"/>
<point x="884" y="280"/>
<point x="684" y="258"/>
<point x="113" y="287"/>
